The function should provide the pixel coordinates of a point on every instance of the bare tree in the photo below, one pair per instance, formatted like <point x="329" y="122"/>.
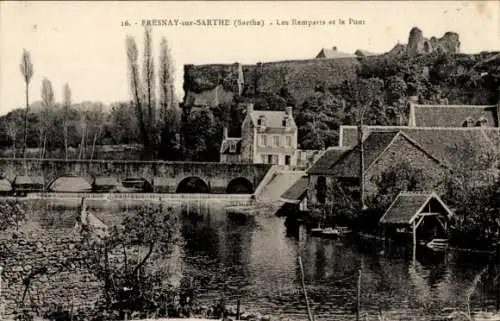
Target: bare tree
<point x="135" y="86"/>
<point x="149" y="80"/>
<point x="48" y="101"/>
<point x="166" y="80"/>
<point x="66" y="109"/>
<point x="27" y="72"/>
<point x="97" y="120"/>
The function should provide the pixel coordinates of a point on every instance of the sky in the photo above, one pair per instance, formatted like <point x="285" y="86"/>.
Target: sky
<point x="83" y="43"/>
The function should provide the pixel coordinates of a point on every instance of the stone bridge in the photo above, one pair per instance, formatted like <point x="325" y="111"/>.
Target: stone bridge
<point x="174" y="176"/>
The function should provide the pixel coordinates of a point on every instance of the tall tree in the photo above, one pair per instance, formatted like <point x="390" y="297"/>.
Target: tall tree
<point x="135" y="86"/>
<point x="169" y="112"/>
<point x="166" y="76"/>
<point x="48" y="101"/>
<point x="66" y="108"/>
<point x="27" y="72"/>
<point x="149" y="85"/>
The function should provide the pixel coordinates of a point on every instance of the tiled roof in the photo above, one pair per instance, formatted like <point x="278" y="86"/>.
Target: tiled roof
<point x="449" y="145"/>
<point x="273" y="121"/>
<point x="5" y="185"/>
<point x="407" y="205"/>
<point x="349" y="164"/>
<point x="70" y="184"/>
<point x="453" y="115"/>
<point x="333" y="53"/>
<point x="324" y="164"/>
<point x="297" y="192"/>
<point x="231" y="146"/>
<point x="28" y="180"/>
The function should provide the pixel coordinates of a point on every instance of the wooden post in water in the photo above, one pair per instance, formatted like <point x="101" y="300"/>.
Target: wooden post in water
<point x="414" y="228"/>
<point x="309" y="314"/>
<point x="238" y="309"/>
<point x="497" y="285"/>
<point x="358" y="298"/>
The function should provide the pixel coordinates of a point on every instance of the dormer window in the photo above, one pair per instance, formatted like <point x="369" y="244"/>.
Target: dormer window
<point x="232" y="147"/>
<point x="482" y="122"/>
<point x="261" y="121"/>
<point x="469" y="122"/>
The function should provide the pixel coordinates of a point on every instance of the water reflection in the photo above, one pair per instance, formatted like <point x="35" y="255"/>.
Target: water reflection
<point x="256" y="260"/>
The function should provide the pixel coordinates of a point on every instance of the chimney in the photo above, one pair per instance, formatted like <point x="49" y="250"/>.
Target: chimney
<point x="225" y="133"/>
<point x="249" y="108"/>
<point x="412" y="101"/>
<point x="289" y="111"/>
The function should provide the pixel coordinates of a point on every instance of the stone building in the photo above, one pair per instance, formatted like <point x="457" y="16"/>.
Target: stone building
<point x="381" y="151"/>
<point x="422" y="115"/>
<point x="268" y="137"/>
<point x="333" y="53"/>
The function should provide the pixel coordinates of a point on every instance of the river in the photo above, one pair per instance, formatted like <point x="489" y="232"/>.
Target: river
<point x="256" y="261"/>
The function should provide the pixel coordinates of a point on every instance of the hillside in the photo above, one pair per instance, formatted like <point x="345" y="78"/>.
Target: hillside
<point x="328" y="92"/>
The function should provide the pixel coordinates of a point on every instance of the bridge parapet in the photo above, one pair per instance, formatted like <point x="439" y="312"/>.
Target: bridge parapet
<point x="217" y="176"/>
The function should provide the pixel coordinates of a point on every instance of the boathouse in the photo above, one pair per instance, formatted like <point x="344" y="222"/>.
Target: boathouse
<point x="297" y="194"/>
<point x="421" y="215"/>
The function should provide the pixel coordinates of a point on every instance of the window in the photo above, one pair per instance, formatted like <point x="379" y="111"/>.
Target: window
<point x="259" y="121"/>
<point x="276" y="140"/>
<point x="287" y="159"/>
<point x="232" y="147"/>
<point x="269" y="159"/>
<point x="263" y="140"/>
<point x="274" y="159"/>
<point x="469" y="122"/>
<point x="283" y="123"/>
<point x="482" y="122"/>
<point x="288" y="140"/>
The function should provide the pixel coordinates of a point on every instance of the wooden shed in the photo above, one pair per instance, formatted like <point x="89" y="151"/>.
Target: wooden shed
<point x="421" y="215"/>
<point x="28" y="184"/>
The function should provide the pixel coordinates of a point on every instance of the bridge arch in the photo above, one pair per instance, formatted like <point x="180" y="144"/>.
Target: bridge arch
<point x="193" y="184"/>
<point x="240" y="185"/>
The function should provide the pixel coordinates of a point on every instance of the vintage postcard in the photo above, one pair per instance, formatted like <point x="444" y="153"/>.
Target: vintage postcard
<point x="247" y="160"/>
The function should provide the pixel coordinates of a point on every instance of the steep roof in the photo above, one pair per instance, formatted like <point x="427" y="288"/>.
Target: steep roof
<point x="273" y="121"/>
<point x="373" y="146"/>
<point x="231" y="145"/>
<point x="297" y="192"/>
<point x="331" y="53"/>
<point x="452" y="115"/>
<point x="408" y="205"/>
<point x="324" y="164"/>
<point x="451" y="146"/>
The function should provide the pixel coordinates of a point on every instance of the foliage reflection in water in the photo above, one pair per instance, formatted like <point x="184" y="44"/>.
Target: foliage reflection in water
<point x="255" y="260"/>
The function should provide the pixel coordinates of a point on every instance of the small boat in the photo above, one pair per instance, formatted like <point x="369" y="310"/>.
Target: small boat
<point x="330" y="232"/>
<point x="438" y="245"/>
<point x="343" y="230"/>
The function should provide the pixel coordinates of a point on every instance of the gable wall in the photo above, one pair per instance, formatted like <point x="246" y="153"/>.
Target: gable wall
<point x="400" y="151"/>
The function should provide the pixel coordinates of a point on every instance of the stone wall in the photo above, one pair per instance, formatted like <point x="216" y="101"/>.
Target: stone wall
<point x="418" y="44"/>
<point x="300" y="77"/>
<point x="43" y="251"/>
<point x="217" y="175"/>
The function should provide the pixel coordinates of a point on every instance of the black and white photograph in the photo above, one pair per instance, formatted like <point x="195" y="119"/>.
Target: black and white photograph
<point x="250" y="160"/>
